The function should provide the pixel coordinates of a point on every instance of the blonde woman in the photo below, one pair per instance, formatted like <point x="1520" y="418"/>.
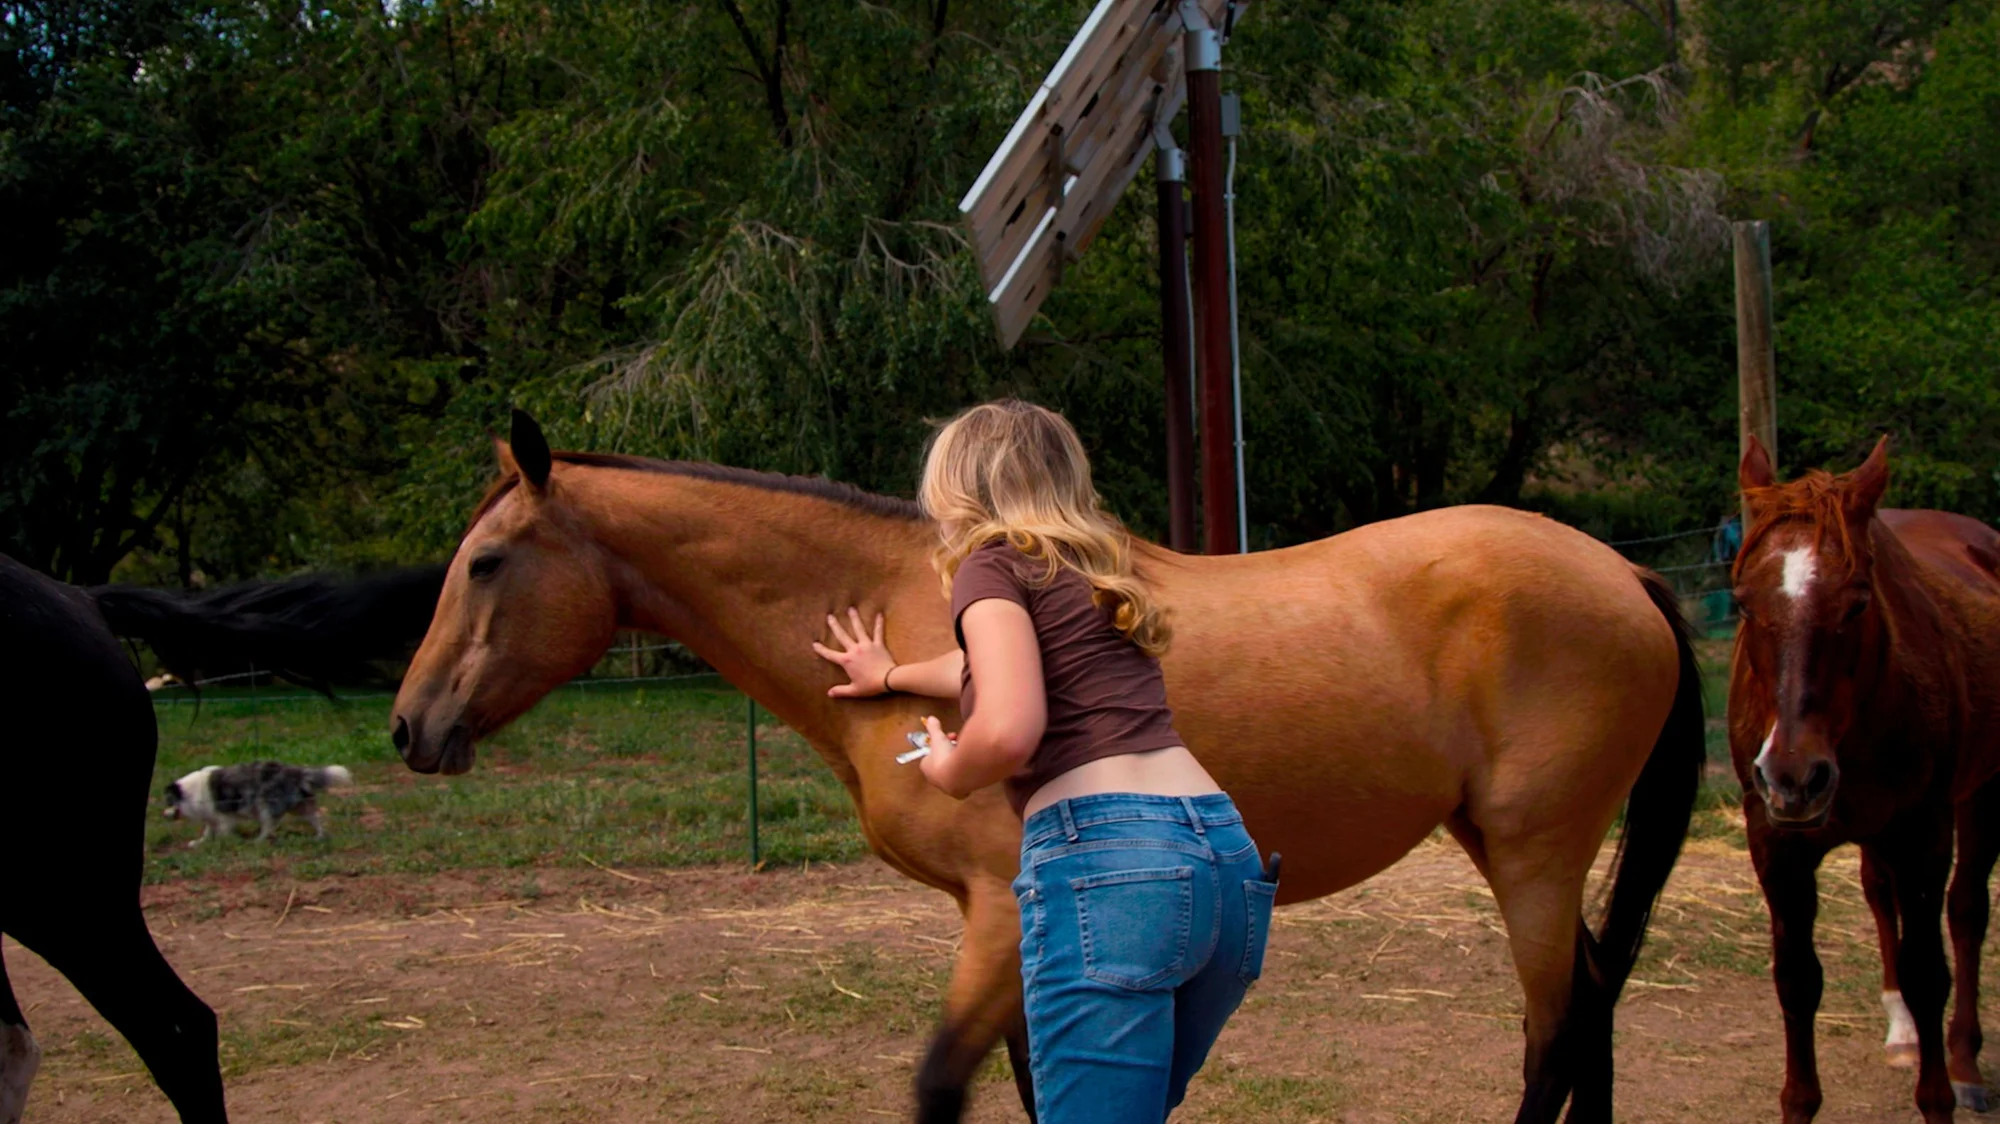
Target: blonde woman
<point x="1144" y="907"/>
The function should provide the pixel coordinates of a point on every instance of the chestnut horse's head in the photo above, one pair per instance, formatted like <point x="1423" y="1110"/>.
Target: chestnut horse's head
<point x="1805" y="585"/>
<point x="527" y="606"/>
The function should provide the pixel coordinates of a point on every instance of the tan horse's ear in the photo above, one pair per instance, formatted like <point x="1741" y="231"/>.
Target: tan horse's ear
<point x="1866" y="484"/>
<point x="530" y="450"/>
<point x="1756" y="470"/>
<point x="504" y="457"/>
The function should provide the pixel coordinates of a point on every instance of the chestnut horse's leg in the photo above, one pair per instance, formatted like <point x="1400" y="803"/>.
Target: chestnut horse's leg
<point x="982" y="1006"/>
<point x="1921" y="859"/>
<point x="1899" y="1047"/>
<point x="1967" y="906"/>
<point x="1786" y="868"/>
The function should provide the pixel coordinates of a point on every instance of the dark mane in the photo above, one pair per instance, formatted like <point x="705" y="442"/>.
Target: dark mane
<point x="816" y="487"/>
<point x="1818" y="498"/>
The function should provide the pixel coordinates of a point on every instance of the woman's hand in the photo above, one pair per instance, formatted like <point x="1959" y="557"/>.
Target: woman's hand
<point x="863" y="656"/>
<point x="943" y="745"/>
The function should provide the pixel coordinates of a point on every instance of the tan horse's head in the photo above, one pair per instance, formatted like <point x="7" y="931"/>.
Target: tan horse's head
<point x="1805" y="585"/>
<point x="527" y="605"/>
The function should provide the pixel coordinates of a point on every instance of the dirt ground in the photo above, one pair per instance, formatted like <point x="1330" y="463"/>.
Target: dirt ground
<point x="716" y="995"/>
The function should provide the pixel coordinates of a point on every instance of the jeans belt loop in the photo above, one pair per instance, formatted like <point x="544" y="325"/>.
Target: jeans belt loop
<point x="1194" y="817"/>
<point x="1069" y="821"/>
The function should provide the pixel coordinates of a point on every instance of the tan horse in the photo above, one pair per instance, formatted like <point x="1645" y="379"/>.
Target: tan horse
<point x="1480" y="668"/>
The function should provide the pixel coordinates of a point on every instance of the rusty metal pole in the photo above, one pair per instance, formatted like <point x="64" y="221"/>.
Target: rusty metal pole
<point x="1756" y="350"/>
<point x="1211" y="274"/>
<point x="1176" y="346"/>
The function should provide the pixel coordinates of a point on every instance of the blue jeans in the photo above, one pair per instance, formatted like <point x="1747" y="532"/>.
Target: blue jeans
<point x="1143" y="922"/>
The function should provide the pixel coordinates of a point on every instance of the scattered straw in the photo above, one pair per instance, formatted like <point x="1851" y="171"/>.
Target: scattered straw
<point x="289" y="899"/>
<point x="615" y="873"/>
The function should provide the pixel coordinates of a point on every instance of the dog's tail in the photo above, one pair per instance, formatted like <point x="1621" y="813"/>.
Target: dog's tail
<point x="333" y="776"/>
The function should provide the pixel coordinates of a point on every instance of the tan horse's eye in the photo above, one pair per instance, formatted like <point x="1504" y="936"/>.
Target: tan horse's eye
<point x="484" y="566"/>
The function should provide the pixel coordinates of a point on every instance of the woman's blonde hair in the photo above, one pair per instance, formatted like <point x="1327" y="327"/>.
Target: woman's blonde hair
<point x="1016" y="471"/>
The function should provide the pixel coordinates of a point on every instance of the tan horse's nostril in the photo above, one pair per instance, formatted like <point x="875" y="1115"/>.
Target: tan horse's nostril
<point x="401" y="735"/>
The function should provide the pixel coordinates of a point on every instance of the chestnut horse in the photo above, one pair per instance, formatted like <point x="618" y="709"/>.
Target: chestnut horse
<point x="1862" y="709"/>
<point x="1480" y="668"/>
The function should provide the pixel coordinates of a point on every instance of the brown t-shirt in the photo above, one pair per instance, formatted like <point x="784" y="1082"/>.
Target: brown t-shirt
<point x="1105" y="696"/>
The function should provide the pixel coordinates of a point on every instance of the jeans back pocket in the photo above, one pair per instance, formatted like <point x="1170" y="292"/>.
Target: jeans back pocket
<point x="1135" y="925"/>
<point x="1258" y="896"/>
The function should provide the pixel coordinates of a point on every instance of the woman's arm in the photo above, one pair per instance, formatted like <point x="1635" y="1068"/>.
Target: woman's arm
<point x="1013" y="708"/>
<point x="871" y="670"/>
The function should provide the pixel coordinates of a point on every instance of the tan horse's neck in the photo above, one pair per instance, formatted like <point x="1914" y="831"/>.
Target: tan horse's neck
<point x="745" y="575"/>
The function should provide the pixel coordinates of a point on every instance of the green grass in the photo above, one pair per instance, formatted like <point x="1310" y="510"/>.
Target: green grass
<point x="638" y="774"/>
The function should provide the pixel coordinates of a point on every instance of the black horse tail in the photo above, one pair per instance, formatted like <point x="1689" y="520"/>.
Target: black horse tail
<point x="316" y="630"/>
<point x="1657" y="814"/>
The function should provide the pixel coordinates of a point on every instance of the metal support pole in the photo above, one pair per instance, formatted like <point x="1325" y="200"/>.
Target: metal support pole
<point x="1176" y="348"/>
<point x="750" y="743"/>
<point x="1211" y="271"/>
<point x="1232" y="127"/>
<point x="1756" y="347"/>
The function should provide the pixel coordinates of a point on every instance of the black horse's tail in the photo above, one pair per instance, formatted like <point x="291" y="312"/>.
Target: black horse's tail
<point x="1657" y="814"/>
<point x="315" y="630"/>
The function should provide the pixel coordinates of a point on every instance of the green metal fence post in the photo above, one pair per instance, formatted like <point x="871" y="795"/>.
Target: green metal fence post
<point x="750" y="743"/>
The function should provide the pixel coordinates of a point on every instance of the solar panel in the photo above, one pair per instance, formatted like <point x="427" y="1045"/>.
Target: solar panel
<point x="1076" y="147"/>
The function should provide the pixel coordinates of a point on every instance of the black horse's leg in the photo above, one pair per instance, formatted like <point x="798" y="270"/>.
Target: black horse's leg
<point x="114" y="963"/>
<point x="20" y="1055"/>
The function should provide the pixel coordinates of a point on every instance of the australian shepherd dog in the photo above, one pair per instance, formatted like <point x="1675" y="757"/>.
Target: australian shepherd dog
<point x="265" y="791"/>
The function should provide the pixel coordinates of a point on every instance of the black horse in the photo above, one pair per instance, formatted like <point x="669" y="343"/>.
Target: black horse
<point x="78" y="717"/>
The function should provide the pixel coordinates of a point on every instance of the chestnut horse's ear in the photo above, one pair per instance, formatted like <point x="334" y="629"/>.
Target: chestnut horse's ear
<point x="1756" y="470"/>
<point x="1866" y="484"/>
<point x="530" y="450"/>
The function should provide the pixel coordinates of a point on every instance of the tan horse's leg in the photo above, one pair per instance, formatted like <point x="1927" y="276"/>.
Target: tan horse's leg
<point x="1899" y="1047"/>
<point x="1967" y="905"/>
<point x="1539" y="887"/>
<point x="982" y="1006"/>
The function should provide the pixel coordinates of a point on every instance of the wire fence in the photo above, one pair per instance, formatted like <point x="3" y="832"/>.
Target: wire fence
<point x="629" y="656"/>
<point x="1701" y="582"/>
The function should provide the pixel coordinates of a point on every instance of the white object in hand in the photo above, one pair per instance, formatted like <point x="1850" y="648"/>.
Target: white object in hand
<point x="922" y="741"/>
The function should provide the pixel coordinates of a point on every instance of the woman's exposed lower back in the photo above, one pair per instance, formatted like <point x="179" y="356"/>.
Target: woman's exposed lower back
<point x="1157" y="772"/>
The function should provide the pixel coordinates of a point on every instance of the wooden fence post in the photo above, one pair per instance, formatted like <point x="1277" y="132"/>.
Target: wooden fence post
<point x="750" y="745"/>
<point x="1756" y="348"/>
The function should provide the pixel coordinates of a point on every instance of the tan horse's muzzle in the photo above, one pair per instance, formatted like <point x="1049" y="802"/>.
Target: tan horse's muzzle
<point x="426" y="752"/>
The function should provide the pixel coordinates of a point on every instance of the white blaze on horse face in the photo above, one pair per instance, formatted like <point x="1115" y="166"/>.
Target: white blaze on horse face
<point x="1764" y="752"/>
<point x="1801" y="566"/>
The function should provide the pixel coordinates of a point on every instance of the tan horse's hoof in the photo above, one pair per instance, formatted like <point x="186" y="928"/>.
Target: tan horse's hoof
<point x="1972" y="1097"/>
<point x="1902" y="1055"/>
